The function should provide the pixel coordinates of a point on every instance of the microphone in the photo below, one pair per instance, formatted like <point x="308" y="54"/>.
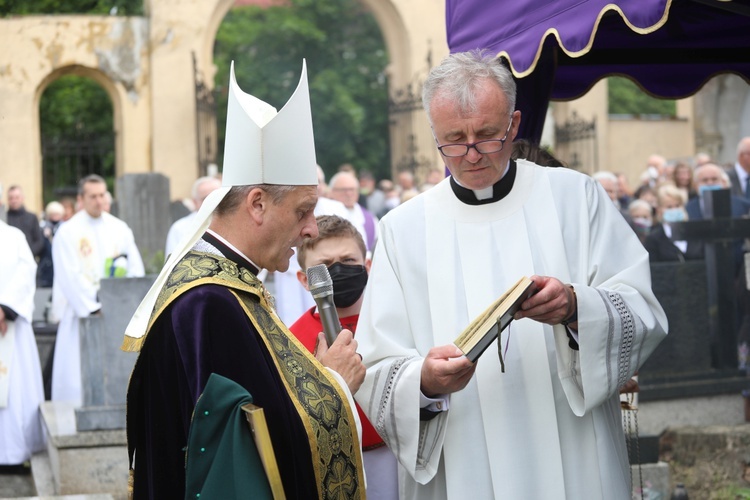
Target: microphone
<point x="321" y="288"/>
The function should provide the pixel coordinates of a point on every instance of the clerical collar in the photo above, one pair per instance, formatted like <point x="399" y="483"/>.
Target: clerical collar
<point x="483" y="196"/>
<point x="229" y="251"/>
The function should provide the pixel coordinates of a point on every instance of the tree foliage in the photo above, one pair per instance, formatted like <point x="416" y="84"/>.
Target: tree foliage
<point x="25" y="7"/>
<point x="76" y="117"/>
<point x="345" y="56"/>
<point x="74" y="105"/>
<point x="625" y="97"/>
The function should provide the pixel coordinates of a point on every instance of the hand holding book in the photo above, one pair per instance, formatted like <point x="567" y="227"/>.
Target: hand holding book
<point x="487" y="326"/>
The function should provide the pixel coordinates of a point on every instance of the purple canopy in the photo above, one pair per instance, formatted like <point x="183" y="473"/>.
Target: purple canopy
<point x="559" y="48"/>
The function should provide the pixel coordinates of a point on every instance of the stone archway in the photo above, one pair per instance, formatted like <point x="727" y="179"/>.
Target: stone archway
<point x="39" y="49"/>
<point x="107" y="85"/>
<point x="146" y="63"/>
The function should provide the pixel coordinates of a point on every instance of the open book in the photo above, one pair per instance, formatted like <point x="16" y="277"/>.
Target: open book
<point x="487" y="326"/>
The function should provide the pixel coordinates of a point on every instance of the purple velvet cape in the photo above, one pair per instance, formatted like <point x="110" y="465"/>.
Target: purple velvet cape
<point x="205" y="330"/>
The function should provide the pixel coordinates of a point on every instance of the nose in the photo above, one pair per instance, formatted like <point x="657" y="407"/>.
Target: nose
<point x="310" y="229"/>
<point x="473" y="155"/>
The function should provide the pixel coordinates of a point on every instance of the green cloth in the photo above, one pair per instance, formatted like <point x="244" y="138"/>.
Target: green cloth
<point x="222" y="461"/>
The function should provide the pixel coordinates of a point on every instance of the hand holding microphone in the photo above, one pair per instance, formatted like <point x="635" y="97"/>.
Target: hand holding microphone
<point x="342" y="357"/>
<point x="321" y="287"/>
<point x="339" y="352"/>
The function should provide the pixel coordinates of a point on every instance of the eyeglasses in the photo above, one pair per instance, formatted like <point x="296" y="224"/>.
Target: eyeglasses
<point x="483" y="147"/>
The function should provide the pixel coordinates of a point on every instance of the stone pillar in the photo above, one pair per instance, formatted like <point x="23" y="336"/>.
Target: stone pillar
<point x="144" y="201"/>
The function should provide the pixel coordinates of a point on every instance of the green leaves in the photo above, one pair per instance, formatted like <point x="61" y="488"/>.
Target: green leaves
<point x="73" y="104"/>
<point x="625" y="97"/>
<point x="21" y="7"/>
<point x="346" y="58"/>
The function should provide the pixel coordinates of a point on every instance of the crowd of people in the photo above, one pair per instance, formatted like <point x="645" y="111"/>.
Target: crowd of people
<point x="391" y="408"/>
<point x="670" y="192"/>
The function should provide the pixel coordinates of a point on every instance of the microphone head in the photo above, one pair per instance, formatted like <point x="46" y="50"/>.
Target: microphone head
<point x="319" y="281"/>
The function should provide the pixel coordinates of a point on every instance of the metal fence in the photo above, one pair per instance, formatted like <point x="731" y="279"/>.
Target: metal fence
<point x="67" y="159"/>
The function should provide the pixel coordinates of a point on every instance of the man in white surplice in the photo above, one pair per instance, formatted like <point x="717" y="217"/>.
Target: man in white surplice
<point x="21" y="389"/>
<point x="549" y="427"/>
<point x="91" y="245"/>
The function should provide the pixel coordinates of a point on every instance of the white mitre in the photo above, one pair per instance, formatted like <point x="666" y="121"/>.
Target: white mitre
<point x="257" y="150"/>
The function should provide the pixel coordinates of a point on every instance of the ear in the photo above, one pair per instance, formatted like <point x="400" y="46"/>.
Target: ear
<point x="302" y="278"/>
<point x="516" y="117"/>
<point x="256" y="204"/>
<point x="368" y="264"/>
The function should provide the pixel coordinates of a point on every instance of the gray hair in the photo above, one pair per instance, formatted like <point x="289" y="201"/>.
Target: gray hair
<point x="604" y="175"/>
<point x="237" y="194"/>
<point x="460" y="75"/>
<point x="638" y="203"/>
<point x="671" y="191"/>
<point x="197" y="185"/>
<point x="341" y="175"/>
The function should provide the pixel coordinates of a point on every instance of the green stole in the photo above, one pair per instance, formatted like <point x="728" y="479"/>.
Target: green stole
<point x="321" y="403"/>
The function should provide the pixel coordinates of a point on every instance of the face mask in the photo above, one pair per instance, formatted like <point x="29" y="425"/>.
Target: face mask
<point x="705" y="188"/>
<point x="644" y="222"/>
<point x="673" y="215"/>
<point x="348" y="283"/>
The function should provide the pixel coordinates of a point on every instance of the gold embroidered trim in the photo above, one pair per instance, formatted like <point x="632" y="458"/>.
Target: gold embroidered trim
<point x="318" y="398"/>
<point x="322" y="405"/>
<point x="587" y="48"/>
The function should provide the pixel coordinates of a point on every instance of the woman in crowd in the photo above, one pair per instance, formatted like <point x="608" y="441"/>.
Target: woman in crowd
<point x="660" y="244"/>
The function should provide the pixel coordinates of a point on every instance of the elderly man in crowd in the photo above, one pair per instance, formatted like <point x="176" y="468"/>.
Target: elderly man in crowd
<point x="183" y="227"/>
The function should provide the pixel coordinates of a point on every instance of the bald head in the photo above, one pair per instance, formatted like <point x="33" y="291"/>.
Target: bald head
<point x="657" y="161"/>
<point x="710" y="174"/>
<point x="345" y="188"/>
<point x="202" y="188"/>
<point x="609" y="182"/>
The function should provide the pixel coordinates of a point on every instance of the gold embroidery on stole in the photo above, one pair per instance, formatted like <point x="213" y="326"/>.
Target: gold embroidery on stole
<point x="319" y="400"/>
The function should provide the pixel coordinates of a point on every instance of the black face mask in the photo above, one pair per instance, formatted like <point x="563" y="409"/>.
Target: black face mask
<point x="348" y="283"/>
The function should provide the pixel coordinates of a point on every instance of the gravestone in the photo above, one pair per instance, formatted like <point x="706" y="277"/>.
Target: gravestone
<point x="177" y="210"/>
<point x="105" y="369"/>
<point x="720" y="232"/>
<point x="680" y="288"/>
<point x="45" y="334"/>
<point x="681" y="365"/>
<point x="699" y="355"/>
<point x="144" y="203"/>
<point x="86" y="446"/>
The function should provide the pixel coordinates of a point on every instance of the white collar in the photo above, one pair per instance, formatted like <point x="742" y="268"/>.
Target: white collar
<point x="485" y="193"/>
<point x="234" y="248"/>
<point x="741" y="175"/>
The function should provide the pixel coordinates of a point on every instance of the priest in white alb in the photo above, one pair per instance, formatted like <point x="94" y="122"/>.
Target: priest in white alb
<point x="91" y="245"/>
<point x="548" y="426"/>
<point x="21" y="389"/>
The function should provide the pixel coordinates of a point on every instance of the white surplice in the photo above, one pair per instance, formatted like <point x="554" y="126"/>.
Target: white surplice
<point x="549" y="427"/>
<point x="80" y="251"/>
<point x="20" y="422"/>
<point x="181" y="229"/>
